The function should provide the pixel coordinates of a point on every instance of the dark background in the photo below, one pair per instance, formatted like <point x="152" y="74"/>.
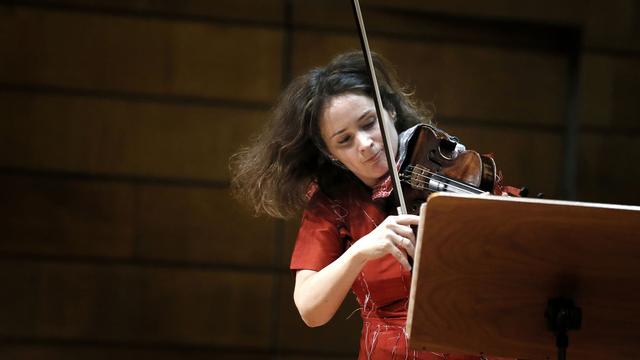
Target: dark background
<point x="118" y="236"/>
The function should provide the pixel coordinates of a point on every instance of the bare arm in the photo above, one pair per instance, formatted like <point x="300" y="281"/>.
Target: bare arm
<point x="318" y="294"/>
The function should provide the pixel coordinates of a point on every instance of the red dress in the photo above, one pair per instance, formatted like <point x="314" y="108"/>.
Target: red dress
<point x="328" y="227"/>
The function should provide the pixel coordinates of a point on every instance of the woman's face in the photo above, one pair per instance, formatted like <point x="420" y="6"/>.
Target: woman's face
<point x="349" y="128"/>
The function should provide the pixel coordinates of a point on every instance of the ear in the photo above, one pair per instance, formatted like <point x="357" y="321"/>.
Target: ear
<point x="392" y="113"/>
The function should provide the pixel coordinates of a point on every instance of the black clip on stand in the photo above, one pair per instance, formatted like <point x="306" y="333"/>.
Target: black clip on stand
<point x="562" y="315"/>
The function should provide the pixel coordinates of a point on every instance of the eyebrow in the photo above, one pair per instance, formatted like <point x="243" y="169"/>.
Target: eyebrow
<point x="364" y="115"/>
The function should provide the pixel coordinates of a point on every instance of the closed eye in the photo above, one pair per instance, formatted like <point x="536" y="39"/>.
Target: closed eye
<point x="369" y="124"/>
<point x="344" y="140"/>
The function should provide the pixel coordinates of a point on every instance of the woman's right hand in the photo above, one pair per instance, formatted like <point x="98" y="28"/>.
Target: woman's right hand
<point x="393" y="236"/>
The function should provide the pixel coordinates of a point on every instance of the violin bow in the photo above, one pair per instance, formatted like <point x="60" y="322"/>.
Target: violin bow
<point x="391" y="163"/>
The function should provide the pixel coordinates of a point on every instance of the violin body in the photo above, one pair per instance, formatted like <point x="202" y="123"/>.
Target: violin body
<point x="435" y="161"/>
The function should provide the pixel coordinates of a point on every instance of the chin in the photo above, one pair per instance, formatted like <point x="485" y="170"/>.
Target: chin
<point x="382" y="169"/>
<point x="380" y="175"/>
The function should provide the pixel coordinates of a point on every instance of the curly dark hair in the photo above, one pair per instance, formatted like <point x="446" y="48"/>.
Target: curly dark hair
<point x="274" y="172"/>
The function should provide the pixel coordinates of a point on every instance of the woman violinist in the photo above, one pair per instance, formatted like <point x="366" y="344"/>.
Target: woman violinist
<point x="323" y="153"/>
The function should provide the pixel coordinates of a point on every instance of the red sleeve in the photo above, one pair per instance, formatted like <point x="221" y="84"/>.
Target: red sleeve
<point x="319" y="240"/>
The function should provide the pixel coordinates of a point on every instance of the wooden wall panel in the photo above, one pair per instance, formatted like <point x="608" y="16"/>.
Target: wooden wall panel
<point x="289" y="238"/>
<point x="596" y="78"/>
<point x="611" y="86"/>
<point x="122" y="137"/>
<point x="526" y="158"/>
<point x="626" y="92"/>
<point x="316" y="48"/>
<point x="612" y="26"/>
<point x="610" y="112"/>
<point x="135" y="304"/>
<point x="607" y="168"/>
<point x="102" y="52"/>
<point x="338" y="336"/>
<point x="202" y="225"/>
<point x="65" y="352"/>
<point x="462" y="81"/>
<point x="336" y="14"/>
<point x="339" y="13"/>
<point x="320" y="356"/>
<point x="442" y="21"/>
<point x="116" y="220"/>
<point x="566" y="11"/>
<point x="20" y="300"/>
<point x="66" y="218"/>
<point x="238" y="10"/>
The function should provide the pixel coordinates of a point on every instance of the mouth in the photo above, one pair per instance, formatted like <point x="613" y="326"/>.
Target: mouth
<point x="375" y="157"/>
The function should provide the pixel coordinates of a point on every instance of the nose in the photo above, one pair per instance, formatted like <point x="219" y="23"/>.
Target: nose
<point x="364" y="141"/>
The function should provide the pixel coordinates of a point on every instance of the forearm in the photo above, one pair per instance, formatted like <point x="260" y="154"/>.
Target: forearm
<point x="318" y="295"/>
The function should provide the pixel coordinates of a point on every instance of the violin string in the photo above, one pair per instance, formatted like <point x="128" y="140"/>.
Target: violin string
<point x="453" y="184"/>
<point x="452" y="188"/>
<point x="441" y="177"/>
<point x="420" y="184"/>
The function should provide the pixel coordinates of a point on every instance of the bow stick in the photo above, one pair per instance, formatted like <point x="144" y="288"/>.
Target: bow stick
<point x="395" y="178"/>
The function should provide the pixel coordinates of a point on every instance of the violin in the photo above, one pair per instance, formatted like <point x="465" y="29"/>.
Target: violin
<point x="431" y="160"/>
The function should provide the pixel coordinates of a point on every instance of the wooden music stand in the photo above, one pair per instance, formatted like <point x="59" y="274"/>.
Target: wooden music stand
<point x="486" y="267"/>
